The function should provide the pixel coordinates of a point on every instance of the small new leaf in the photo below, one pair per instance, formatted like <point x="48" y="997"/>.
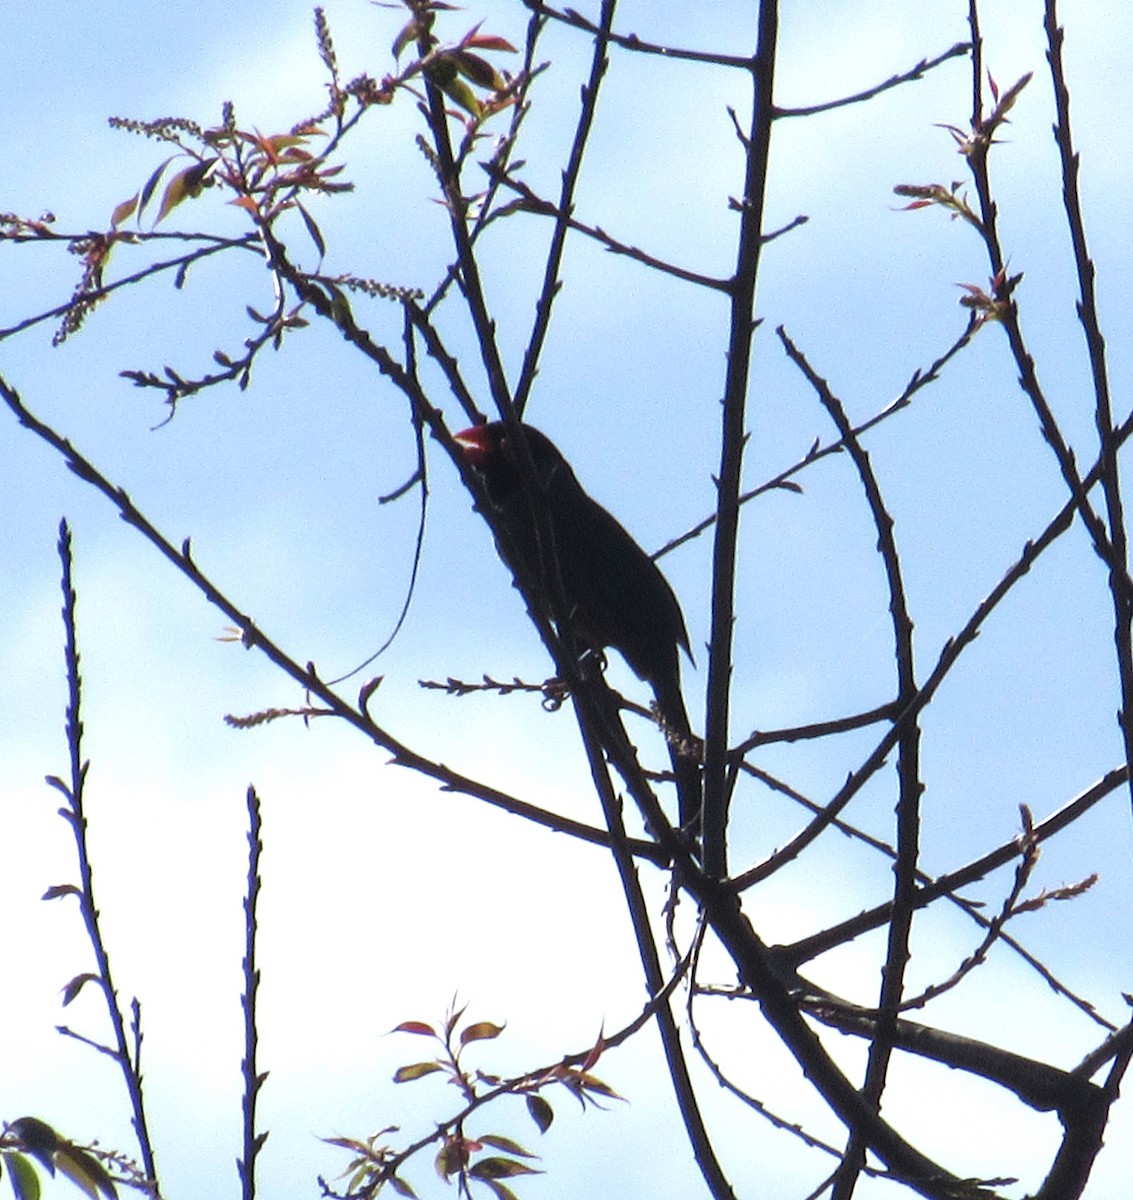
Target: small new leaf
<point x="60" y="889"/>
<point x="409" y="33"/>
<point x="453" y="1018"/>
<point x="75" y="986"/>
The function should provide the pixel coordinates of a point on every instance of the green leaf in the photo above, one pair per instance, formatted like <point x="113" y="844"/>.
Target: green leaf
<point x="416" y="1071"/>
<point x="22" y="1176"/>
<point x="442" y="72"/>
<point x="505" y="1143"/>
<point x="313" y="230"/>
<point x="480" y="1031"/>
<point x="501" y="1192"/>
<point x="497" y="1167"/>
<point x="541" y="1111"/>
<point x="123" y="211"/>
<point x="182" y="186"/>
<point x="479" y="70"/>
<point x="151" y="184"/>
<point x="86" y="1172"/>
<point x="460" y="92"/>
<point x="39" y="1139"/>
<point x="401" y="1187"/>
<point x="77" y="1174"/>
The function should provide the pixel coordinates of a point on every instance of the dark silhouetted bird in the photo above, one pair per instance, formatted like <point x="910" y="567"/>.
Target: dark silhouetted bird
<point x="615" y="594"/>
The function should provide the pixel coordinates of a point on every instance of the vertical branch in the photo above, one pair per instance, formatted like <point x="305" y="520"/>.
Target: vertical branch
<point x="128" y="1060"/>
<point x="908" y="775"/>
<point x="742" y="290"/>
<point x="977" y="56"/>
<point x="469" y="271"/>
<point x="1095" y="344"/>
<point x="691" y="1116"/>
<point x="253" y="1079"/>
<point x="551" y="280"/>
<point x="977" y="151"/>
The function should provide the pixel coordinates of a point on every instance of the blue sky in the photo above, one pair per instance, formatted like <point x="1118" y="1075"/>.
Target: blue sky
<point x="384" y="897"/>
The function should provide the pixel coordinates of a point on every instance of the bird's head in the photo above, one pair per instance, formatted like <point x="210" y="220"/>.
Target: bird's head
<point x="491" y="449"/>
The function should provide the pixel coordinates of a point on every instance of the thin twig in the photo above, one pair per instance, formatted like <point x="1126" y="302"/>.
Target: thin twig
<point x="630" y="41"/>
<point x="915" y="72"/>
<point x="306" y="677"/>
<point x="253" y="1077"/>
<point x="531" y="202"/>
<point x="908" y="773"/>
<point x="1103" y="410"/>
<point x="812" y="946"/>
<point x="552" y="269"/>
<point x="733" y="436"/>
<point x="876" y="917"/>
<point x="128" y="1062"/>
<point x="784" y="480"/>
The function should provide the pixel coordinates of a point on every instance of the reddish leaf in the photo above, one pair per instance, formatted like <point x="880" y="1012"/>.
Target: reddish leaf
<point x="489" y="41"/>
<point x="415" y="1027"/>
<point x="595" y="1053"/>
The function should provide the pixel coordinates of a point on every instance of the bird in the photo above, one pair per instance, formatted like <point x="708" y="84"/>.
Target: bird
<point x="615" y="594"/>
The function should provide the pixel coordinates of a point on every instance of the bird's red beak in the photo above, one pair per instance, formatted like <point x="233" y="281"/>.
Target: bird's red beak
<point x="474" y="442"/>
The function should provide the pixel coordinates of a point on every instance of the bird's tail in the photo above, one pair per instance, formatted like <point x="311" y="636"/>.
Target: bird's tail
<point x="685" y="754"/>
